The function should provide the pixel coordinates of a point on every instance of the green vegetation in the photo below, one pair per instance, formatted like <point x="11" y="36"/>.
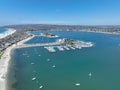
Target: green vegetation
<point x="1" y="53"/>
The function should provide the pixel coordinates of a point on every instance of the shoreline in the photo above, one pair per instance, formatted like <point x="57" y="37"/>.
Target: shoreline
<point x="115" y="33"/>
<point x="4" y="63"/>
<point x="6" y="57"/>
<point x="9" y="31"/>
<point x="82" y="30"/>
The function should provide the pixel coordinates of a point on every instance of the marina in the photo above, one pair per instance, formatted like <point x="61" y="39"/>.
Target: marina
<point x="66" y="47"/>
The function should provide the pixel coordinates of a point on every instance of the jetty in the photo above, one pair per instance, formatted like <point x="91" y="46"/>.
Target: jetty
<point x="35" y="45"/>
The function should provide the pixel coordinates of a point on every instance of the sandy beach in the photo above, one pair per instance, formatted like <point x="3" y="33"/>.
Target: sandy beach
<point x="4" y="63"/>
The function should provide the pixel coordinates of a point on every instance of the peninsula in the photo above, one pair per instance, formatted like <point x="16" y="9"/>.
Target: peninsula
<point x="22" y="31"/>
<point x="50" y="35"/>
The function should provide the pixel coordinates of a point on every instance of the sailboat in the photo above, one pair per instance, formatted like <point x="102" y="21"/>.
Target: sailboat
<point x="90" y="74"/>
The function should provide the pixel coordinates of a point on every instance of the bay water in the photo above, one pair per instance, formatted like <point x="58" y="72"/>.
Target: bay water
<point x="71" y="66"/>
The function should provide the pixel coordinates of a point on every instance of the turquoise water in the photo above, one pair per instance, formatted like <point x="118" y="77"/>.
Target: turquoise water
<point x="40" y="39"/>
<point x="102" y="60"/>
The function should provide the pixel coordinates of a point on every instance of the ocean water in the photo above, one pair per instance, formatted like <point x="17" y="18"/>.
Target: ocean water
<point x="2" y="30"/>
<point x="102" y="61"/>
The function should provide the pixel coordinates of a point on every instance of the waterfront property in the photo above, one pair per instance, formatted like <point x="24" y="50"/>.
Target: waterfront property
<point x="21" y="31"/>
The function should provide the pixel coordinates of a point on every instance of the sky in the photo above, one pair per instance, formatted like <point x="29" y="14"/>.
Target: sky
<point x="75" y="12"/>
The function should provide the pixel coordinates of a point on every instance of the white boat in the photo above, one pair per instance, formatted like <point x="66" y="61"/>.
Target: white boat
<point x="41" y="87"/>
<point x="72" y="47"/>
<point x="33" y="78"/>
<point x="77" y="46"/>
<point x="90" y="74"/>
<point x="53" y="66"/>
<point x="66" y="48"/>
<point x="32" y="63"/>
<point x="60" y="48"/>
<point x="48" y="59"/>
<point x="50" y="49"/>
<point x="77" y="84"/>
<point x="39" y="55"/>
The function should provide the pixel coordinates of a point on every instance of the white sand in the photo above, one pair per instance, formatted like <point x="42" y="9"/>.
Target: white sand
<point x="6" y="33"/>
<point x="4" y="61"/>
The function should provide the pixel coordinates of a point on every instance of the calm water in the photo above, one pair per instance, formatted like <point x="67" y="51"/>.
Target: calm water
<point x="102" y="60"/>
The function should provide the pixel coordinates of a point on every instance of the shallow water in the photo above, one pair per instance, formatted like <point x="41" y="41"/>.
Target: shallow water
<point x="102" y="61"/>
